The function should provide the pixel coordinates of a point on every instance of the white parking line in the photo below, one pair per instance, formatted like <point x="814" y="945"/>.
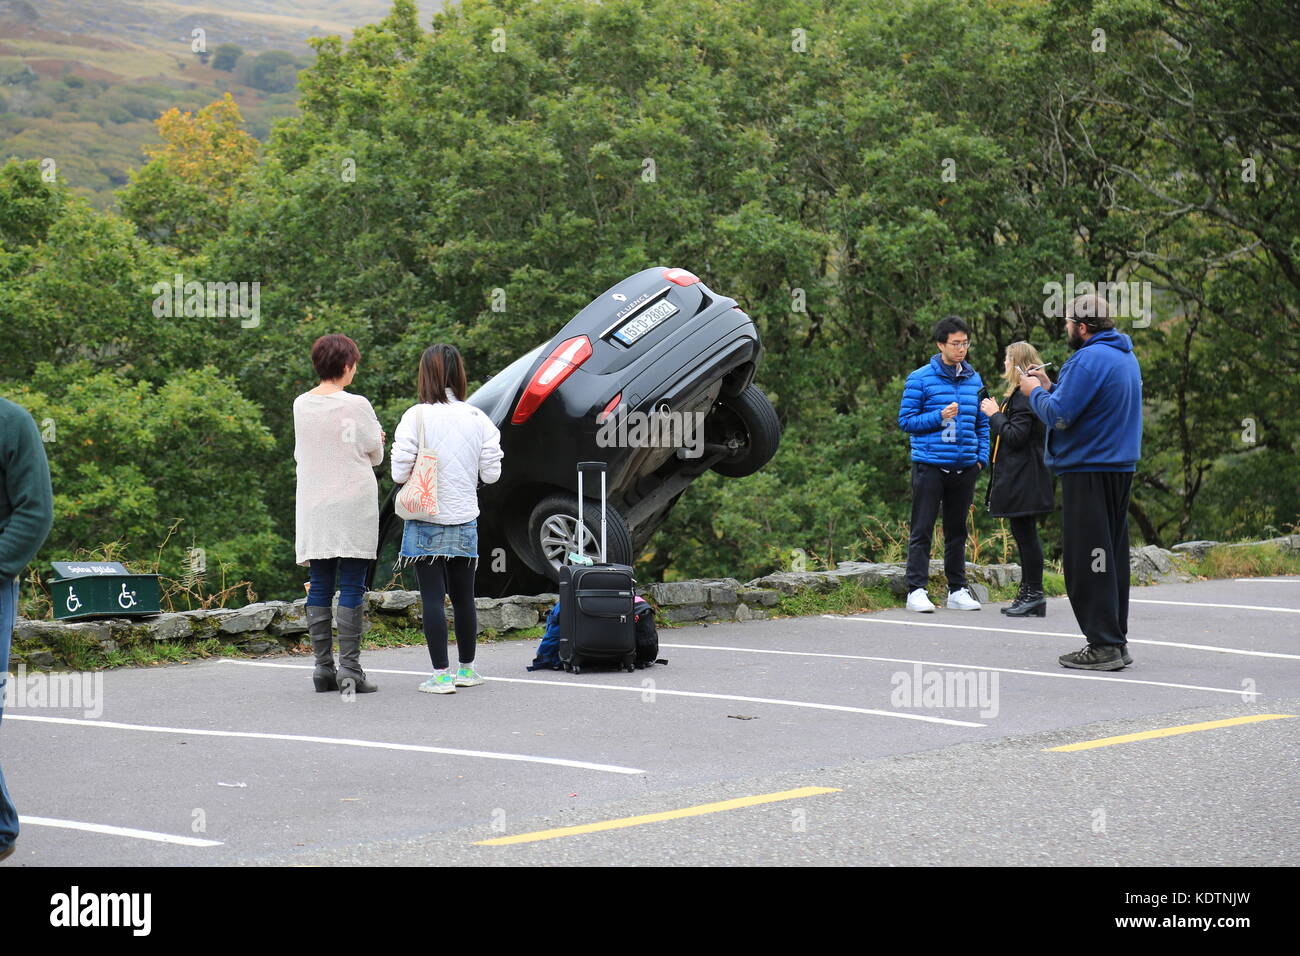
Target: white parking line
<point x="638" y="689"/>
<point x="977" y="667"/>
<point x="1271" y="580"/>
<point x="116" y="831"/>
<point x="1244" y="607"/>
<point x="1077" y="637"/>
<point x="341" y="741"/>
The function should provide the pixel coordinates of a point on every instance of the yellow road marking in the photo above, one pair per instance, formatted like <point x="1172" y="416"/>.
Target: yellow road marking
<point x="1166" y="732"/>
<point x="622" y="822"/>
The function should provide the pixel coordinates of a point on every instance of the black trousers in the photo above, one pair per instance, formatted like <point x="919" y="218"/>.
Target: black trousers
<point x="437" y="578"/>
<point x="932" y="490"/>
<point x="1025" y="530"/>
<point x="1094" y="551"/>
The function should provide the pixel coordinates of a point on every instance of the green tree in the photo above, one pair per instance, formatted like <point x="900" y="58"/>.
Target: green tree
<point x="1182" y="115"/>
<point x="226" y="56"/>
<point x="274" y="71"/>
<point x="128" y="459"/>
<point x="141" y="433"/>
<point x="75" y="284"/>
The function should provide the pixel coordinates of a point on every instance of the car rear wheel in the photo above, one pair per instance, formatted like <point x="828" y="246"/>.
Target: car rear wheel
<point x="748" y="423"/>
<point x="553" y="533"/>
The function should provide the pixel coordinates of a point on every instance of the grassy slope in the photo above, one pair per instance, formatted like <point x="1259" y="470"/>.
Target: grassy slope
<point x="136" y="59"/>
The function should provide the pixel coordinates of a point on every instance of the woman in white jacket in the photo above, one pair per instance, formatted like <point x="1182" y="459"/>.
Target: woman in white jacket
<point x="444" y="550"/>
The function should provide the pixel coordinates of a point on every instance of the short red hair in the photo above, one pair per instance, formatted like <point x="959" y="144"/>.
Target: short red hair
<point x="332" y="354"/>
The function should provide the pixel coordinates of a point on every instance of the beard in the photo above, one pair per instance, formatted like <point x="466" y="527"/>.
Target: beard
<point x="1073" y="338"/>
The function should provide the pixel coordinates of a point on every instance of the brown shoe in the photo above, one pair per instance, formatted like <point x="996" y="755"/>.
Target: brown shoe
<point x="8" y="851"/>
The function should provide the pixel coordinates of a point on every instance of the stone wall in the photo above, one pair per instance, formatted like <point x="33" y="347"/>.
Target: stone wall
<point x="1197" y="549"/>
<point x="265" y="627"/>
<point x="275" y="626"/>
<point x="726" y="599"/>
<point x="1152" y="565"/>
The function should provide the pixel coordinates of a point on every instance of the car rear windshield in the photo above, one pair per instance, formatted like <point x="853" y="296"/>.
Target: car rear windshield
<point x="495" y="396"/>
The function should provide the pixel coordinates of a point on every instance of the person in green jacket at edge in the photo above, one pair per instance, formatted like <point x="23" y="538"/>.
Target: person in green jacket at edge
<point x="26" y="515"/>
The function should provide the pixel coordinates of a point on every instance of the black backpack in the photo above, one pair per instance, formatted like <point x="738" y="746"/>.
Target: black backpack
<point x="647" y="635"/>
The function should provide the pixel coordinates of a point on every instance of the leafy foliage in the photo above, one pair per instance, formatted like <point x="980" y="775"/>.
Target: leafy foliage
<point x="183" y="194"/>
<point x="128" y="458"/>
<point x="849" y="172"/>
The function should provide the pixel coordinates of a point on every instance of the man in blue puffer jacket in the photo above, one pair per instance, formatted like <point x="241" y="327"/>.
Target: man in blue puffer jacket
<point x="1094" y="439"/>
<point x="950" y="447"/>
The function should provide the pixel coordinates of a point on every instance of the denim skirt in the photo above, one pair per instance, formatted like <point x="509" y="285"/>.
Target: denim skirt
<point x="424" y="540"/>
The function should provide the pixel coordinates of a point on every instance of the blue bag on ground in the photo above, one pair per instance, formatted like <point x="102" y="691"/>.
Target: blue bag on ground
<point x="647" y="635"/>
<point x="647" y="640"/>
<point x="548" y="652"/>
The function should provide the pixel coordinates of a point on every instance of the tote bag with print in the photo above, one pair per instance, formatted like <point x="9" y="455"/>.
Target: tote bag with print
<point x="418" y="499"/>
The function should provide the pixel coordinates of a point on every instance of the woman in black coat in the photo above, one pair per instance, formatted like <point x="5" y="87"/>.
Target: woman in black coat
<point x="1020" y="486"/>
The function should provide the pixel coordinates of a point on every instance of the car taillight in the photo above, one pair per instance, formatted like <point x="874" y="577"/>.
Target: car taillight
<point x="609" y="409"/>
<point x="681" y="276"/>
<point x="559" y="365"/>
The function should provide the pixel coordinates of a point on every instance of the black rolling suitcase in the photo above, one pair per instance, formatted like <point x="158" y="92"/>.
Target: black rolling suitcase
<point x="597" y="625"/>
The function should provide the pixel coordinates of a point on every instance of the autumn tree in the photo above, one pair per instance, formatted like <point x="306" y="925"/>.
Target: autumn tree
<point x="182" y="196"/>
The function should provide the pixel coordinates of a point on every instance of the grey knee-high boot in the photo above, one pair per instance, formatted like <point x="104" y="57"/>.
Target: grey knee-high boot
<point x="351" y="677"/>
<point x="320" y="628"/>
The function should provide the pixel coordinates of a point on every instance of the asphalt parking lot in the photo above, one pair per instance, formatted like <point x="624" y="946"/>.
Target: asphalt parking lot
<point x="885" y="738"/>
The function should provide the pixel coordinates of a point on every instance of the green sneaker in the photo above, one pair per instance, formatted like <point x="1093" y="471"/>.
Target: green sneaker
<point x="467" y="676"/>
<point x="439" y="684"/>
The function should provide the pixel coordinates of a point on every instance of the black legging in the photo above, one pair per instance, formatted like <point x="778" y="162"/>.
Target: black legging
<point x="437" y="578"/>
<point x="1025" y="530"/>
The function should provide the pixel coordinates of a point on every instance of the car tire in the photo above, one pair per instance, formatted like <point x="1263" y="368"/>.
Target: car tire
<point x="557" y="515"/>
<point x="750" y="418"/>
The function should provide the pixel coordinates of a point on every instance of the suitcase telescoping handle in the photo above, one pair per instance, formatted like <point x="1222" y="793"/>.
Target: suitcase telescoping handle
<point x="601" y="467"/>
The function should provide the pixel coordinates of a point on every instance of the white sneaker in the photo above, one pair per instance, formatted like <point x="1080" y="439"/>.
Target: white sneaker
<point x="918" y="600"/>
<point x="443" y="683"/>
<point x="963" y="600"/>
<point x="466" y="676"/>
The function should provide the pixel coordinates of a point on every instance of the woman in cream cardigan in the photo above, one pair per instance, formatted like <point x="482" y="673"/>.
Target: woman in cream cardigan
<point x="338" y="443"/>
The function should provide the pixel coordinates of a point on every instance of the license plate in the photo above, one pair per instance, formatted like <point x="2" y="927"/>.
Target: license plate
<point x="652" y="317"/>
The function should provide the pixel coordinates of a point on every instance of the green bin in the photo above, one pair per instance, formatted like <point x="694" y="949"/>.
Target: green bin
<point x="101" y="589"/>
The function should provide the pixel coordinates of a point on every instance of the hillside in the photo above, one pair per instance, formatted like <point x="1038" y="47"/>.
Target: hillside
<point x="82" y="83"/>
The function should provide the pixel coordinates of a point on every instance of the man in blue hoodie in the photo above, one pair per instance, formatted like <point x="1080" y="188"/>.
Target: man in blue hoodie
<point x="1093" y="416"/>
<point x="950" y="447"/>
